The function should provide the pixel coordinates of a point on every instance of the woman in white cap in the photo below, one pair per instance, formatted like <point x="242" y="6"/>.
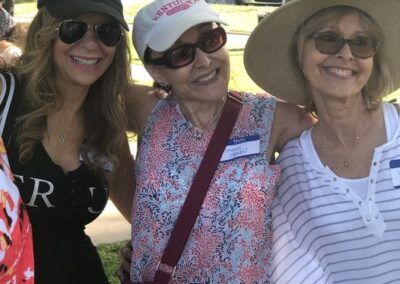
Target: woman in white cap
<point x="182" y="45"/>
<point x="336" y="217"/>
<point x="64" y="129"/>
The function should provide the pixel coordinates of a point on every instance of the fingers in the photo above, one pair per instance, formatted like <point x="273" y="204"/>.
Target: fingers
<point x="125" y="265"/>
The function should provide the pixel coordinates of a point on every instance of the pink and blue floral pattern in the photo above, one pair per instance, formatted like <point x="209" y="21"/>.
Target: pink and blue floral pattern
<point x="231" y="239"/>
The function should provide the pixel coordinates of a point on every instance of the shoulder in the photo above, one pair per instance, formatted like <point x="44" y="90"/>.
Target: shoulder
<point x="289" y="121"/>
<point x="260" y="104"/>
<point x="258" y="97"/>
<point x="141" y="100"/>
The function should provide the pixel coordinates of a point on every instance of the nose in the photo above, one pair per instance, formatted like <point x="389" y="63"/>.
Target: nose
<point x="345" y="52"/>
<point x="201" y="58"/>
<point x="90" y="40"/>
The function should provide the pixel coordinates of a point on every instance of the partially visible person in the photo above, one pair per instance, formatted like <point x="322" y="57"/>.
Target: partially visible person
<point x="7" y="24"/>
<point x="16" y="251"/>
<point x="9" y="53"/>
<point x="65" y="131"/>
<point x="336" y="217"/>
<point x="8" y="5"/>
<point x="183" y="48"/>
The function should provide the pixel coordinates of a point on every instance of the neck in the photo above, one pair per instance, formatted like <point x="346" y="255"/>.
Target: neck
<point x="341" y="121"/>
<point x="72" y="96"/>
<point x="202" y="115"/>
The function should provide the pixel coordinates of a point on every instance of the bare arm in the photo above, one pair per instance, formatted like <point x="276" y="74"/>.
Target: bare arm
<point x="121" y="183"/>
<point x="289" y="121"/>
<point x="141" y="100"/>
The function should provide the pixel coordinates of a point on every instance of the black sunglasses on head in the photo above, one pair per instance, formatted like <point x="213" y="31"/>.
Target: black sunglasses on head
<point x="328" y="42"/>
<point x="72" y="31"/>
<point x="183" y="55"/>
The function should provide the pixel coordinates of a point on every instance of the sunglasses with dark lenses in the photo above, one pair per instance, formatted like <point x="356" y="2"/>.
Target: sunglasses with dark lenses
<point x="183" y="55"/>
<point x="72" y="31"/>
<point x="331" y="43"/>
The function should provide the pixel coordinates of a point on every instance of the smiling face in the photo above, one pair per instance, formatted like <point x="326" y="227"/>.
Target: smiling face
<point x="205" y="79"/>
<point x="81" y="64"/>
<point x="341" y="75"/>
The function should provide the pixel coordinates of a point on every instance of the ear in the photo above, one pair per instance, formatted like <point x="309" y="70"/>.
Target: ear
<point x="156" y="74"/>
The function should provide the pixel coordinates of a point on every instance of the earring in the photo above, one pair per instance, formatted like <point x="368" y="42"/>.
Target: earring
<point x="163" y="89"/>
<point x="161" y="85"/>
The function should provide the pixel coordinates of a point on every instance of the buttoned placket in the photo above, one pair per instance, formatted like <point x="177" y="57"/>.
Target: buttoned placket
<point x="369" y="210"/>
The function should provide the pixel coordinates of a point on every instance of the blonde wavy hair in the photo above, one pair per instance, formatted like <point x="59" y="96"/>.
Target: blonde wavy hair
<point x="103" y="106"/>
<point x="380" y="81"/>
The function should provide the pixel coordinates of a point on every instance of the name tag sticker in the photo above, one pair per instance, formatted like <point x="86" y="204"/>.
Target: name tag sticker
<point x="241" y="147"/>
<point x="395" y="171"/>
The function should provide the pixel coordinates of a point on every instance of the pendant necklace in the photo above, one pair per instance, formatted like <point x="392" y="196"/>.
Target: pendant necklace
<point x="346" y="161"/>
<point x="62" y="137"/>
<point x="199" y="132"/>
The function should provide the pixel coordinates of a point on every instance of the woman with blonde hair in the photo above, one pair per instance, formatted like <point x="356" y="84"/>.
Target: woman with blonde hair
<point x="336" y="216"/>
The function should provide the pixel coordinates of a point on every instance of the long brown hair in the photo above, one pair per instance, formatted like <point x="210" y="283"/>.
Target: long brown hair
<point x="103" y="113"/>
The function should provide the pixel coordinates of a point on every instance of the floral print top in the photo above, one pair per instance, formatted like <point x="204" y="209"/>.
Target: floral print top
<point x="231" y="239"/>
<point x="16" y="251"/>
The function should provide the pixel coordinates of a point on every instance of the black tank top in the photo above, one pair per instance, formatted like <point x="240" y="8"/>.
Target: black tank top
<point x="59" y="206"/>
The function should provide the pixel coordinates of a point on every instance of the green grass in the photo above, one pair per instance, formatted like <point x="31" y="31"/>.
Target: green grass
<point x="109" y="254"/>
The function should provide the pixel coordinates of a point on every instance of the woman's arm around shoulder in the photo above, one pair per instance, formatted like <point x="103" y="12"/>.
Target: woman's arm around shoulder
<point x="121" y="182"/>
<point x="289" y="121"/>
<point x="140" y="101"/>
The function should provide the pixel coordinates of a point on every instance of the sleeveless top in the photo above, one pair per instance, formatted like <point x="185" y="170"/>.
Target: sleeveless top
<point x="231" y="239"/>
<point x="16" y="251"/>
<point x="59" y="206"/>
<point x="324" y="232"/>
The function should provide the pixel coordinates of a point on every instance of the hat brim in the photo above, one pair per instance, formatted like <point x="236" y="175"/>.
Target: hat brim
<point x="78" y="7"/>
<point x="268" y="59"/>
<point x="159" y="42"/>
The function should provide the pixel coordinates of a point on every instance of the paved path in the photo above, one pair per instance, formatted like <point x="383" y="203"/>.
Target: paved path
<point x="110" y="226"/>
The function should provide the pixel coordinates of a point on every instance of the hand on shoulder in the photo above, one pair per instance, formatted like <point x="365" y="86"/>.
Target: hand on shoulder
<point x="289" y="121"/>
<point x="140" y="101"/>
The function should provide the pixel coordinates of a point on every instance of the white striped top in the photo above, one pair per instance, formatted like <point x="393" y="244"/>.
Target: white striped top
<point x="324" y="232"/>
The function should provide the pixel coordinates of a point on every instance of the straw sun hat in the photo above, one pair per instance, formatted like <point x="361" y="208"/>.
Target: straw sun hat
<point x="268" y="59"/>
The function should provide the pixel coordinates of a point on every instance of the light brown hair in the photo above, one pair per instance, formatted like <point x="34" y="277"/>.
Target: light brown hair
<point x="380" y="81"/>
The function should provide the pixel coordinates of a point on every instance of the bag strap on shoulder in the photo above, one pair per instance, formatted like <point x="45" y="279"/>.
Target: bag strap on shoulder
<point x="198" y="191"/>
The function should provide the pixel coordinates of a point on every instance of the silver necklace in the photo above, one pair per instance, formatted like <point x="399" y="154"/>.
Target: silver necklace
<point x="198" y="133"/>
<point x="63" y="136"/>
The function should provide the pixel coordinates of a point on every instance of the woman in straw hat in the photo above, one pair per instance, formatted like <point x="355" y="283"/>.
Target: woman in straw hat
<point x="336" y="217"/>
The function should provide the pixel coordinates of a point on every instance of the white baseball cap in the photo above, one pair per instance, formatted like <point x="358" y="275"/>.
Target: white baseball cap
<point x="159" y="24"/>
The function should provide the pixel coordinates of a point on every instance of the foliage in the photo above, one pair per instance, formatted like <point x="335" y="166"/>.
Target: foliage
<point x="109" y="254"/>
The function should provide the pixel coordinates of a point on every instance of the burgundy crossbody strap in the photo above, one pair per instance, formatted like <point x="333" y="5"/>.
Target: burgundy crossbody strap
<point x="197" y="192"/>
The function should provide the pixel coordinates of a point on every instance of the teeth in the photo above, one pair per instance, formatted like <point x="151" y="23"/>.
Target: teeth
<point x="85" y="61"/>
<point x="208" y="76"/>
<point x="340" y="72"/>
